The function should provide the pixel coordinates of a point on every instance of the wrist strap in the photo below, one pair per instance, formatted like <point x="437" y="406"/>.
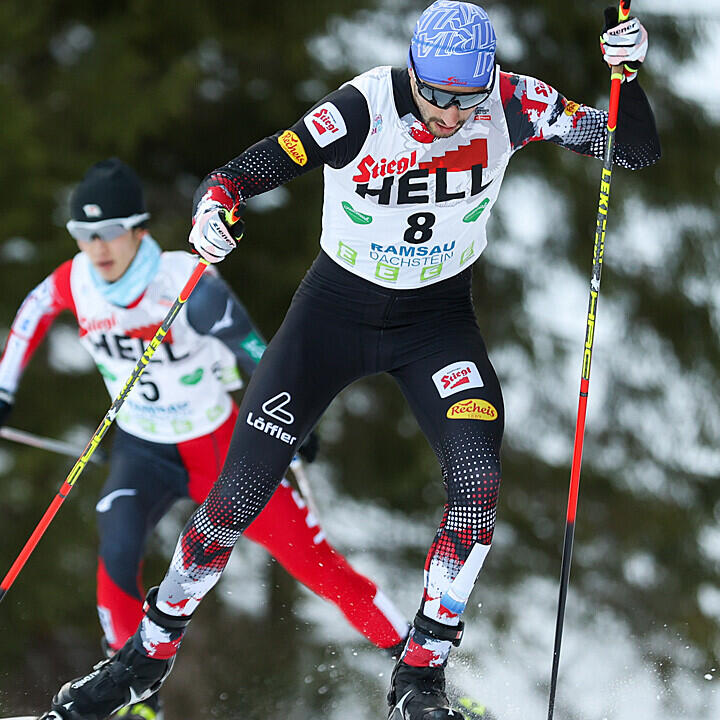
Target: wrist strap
<point x="169" y="622"/>
<point x="438" y="630"/>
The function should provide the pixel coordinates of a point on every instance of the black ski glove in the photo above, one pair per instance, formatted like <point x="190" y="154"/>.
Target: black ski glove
<point x="309" y="449"/>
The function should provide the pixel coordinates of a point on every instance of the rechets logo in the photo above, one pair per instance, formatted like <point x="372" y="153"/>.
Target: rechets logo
<point x="326" y="124"/>
<point x="473" y="409"/>
<point x="571" y="107"/>
<point x="457" y="377"/>
<point x="292" y="145"/>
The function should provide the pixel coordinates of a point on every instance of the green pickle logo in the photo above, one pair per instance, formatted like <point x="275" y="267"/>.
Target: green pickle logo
<point x="193" y="378"/>
<point x="476" y="212"/>
<point x="356" y="216"/>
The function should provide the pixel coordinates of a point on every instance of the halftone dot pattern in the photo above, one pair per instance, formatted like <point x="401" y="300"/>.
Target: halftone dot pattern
<point x="584" y="130"/>
<point x="262" y="167"/>
<point x="586" y="133"/>
<point x="470" y="464"/>
<point x="203" y="550"/>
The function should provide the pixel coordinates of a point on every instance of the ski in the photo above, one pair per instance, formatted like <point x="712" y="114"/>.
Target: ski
<point x="473" y="710"/>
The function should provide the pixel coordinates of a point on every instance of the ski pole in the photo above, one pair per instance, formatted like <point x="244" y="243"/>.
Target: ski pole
<point x="57" y="446"/>
<point x="298" y="469"/>
<point x="106" y="422"/>
<point x="616" y="76"/>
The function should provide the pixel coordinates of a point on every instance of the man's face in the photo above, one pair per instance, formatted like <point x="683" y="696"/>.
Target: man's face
<point x="111" y="258"/>
<point x="442" y="123"/>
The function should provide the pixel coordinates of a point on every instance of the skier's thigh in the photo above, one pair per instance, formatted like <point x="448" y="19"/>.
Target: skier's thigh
<point x="454" y="392"/>
<point x="300" y="372"/>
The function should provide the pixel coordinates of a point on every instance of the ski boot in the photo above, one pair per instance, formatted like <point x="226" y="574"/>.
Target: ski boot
<point x="150" y="709"/>
<point x="127" y="678"/>
<point x="418" y="693"/>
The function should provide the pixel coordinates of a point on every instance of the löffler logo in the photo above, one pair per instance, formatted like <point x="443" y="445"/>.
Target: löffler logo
<point x="275" y="408"/>
<point x="457" y="377"/>
<point x="472" y="409"/>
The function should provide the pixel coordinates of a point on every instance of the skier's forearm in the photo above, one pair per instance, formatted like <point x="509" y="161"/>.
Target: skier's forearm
<point x="304" y="146"/>
<point x="262" y="167"/>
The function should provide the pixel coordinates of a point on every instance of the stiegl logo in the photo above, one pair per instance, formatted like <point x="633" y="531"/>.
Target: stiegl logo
<point x="456" y="377"/>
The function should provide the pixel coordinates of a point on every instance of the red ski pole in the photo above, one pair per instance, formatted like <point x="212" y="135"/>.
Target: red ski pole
<point x="106" y="422"/>
<point x="616" y="76"/>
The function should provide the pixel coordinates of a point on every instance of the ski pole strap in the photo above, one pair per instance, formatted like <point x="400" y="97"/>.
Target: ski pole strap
<point x="169" y="622"/>
<point x="438" y="630"/>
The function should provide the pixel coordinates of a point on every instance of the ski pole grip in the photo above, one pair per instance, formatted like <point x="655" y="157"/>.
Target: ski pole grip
<point x="234" y="221"/>
<point x="623" y="10"/>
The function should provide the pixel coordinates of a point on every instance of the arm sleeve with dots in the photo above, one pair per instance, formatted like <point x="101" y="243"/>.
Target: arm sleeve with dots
<point x="287" y="154"/>
<point x="536" y="111"/>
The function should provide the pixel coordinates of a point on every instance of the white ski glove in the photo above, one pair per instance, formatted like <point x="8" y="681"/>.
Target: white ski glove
<point x="624" y="44"/>
<point x="212" y="235"/>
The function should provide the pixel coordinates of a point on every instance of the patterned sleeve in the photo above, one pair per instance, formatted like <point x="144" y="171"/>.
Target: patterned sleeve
<point x="536" y="111"/>
<point x="332" y="132"/>
<point x="32" y="321"/>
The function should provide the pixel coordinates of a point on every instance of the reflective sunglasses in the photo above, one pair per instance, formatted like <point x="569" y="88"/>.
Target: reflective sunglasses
<point x="106" y="230"/>
<point x="444" y="99"/>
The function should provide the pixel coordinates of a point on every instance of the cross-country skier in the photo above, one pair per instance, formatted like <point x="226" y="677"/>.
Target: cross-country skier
<point x="175" y="427"/>
<point x="413" y="162"/>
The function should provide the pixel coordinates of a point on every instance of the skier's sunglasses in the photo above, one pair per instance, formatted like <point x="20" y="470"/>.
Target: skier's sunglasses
<point x="105" y="230"/>
<point x="444" y="99"/>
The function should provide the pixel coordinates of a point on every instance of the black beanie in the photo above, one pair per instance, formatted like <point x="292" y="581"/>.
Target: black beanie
<point x="110" y="189"/>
